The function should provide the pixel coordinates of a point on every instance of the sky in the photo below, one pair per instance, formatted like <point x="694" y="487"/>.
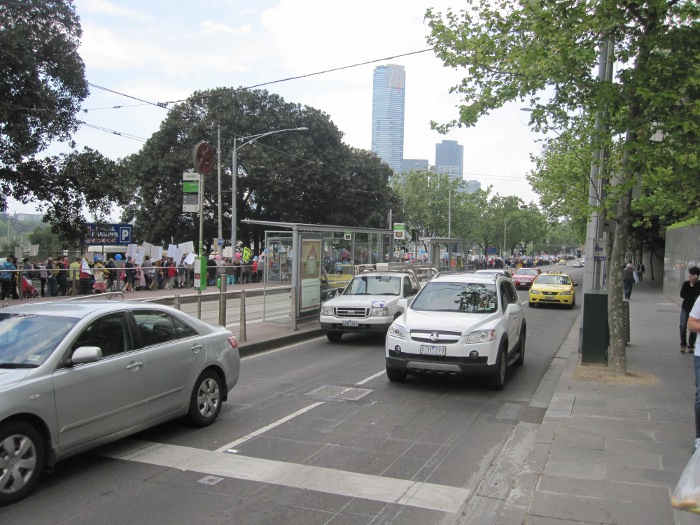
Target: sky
<point x="162" y="51"/>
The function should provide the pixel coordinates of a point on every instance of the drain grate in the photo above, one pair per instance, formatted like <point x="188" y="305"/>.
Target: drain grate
<point x="517" y="413"/>
<point x="346" y="393"/>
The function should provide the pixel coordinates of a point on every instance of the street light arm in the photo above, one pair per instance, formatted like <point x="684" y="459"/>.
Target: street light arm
<point x="253" y="138"/>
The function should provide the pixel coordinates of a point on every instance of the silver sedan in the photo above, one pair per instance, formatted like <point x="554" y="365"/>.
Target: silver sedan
<point x="75" y="375"/>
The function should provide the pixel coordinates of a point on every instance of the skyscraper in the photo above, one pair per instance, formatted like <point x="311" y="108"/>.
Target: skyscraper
<point x="388" y="103"/>
<point x="449" y="158"/>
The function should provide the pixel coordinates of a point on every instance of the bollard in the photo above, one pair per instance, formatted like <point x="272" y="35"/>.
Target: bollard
<point x="295" y="326"/>
<point x="222" y="300"/>
<point x="176" y="303"/>
<point x="241" y="328"/>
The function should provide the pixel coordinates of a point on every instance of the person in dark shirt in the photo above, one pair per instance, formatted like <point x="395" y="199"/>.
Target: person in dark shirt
<point x="690" y="291"/>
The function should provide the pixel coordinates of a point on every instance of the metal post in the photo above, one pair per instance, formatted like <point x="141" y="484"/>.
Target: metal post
<point x="218" y="159"/>
<point x="241" y="328"/>
<point x="201" y="214"/>
<point x="223" y="279"/>
<point x="295" y="326"/>
<point x="234" y="179"/>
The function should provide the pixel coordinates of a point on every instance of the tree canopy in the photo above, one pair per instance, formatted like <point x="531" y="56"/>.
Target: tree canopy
<point x="306" y="176"/>
<point x="42" y="83"/>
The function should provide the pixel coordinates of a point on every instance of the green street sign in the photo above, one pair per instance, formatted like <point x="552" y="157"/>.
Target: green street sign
<point x="190" y="187"/>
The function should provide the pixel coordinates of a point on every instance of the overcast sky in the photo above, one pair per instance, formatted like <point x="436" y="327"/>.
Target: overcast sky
<point x="163" y="50"/>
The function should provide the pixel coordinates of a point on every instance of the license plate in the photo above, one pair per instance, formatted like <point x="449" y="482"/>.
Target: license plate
<point x="432" y="350"/>
<point x="549" y="298"/>
<point x="349" y="322"/>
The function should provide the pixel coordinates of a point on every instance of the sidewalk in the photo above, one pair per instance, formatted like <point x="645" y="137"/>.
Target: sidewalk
<point x="613" y="453"/>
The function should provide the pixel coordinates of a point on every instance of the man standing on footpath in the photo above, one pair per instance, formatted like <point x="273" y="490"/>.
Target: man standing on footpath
<point x="694" y="326"/>
<point x="628" y="280"/>
<point x="690" y="291"/>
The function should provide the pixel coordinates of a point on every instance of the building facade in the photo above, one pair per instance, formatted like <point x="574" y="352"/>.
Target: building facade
<point x="388" y="106"/>
<point x="449" y="158"/>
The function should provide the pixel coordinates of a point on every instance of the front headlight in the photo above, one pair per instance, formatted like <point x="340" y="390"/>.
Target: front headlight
<point x="481" y="336"/>
<point x="379" y="312"/>
<point x="535" y="292"/>
<point x="565" y="293"/>
<point x="397" y="331"/>
<point x="327" y="310"/>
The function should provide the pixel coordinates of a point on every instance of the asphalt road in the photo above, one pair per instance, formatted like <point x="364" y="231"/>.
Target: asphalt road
<point x="315" y="433"/>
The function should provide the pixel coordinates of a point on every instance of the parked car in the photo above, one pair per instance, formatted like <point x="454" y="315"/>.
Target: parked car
<point x="369" y="303"/>
<point x="78" y="374"/>
<point x="459" y="324"/>
<point x="524" y="277"/>
<point x="552" y="288"/>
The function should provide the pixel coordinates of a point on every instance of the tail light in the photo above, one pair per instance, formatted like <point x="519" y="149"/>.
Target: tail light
<point x="233" y="341"/>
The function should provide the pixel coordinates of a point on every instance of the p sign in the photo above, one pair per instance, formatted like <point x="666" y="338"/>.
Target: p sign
<point x="125" y="234"/>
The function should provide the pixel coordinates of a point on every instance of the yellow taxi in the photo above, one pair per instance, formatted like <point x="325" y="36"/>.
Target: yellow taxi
<point x="552" y="288"/>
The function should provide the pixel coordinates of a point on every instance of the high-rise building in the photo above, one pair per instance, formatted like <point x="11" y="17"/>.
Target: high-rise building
<point x="449" y="158"/>
<point x="388" y="105"/>
<point x="414" y="165"/>
<point x="473" y="186"/>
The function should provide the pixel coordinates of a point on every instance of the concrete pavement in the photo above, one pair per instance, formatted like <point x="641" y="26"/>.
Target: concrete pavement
<point x="612" y="453"/>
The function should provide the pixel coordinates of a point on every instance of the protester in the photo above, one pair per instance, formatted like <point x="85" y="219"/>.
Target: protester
<point x="690" y="291"/>
<point x="98" y="273"/>
<point x="62" y="275"/>
<point x="85" y="278"/>
<point x="6" y="276"/>
<point x="129" y="275"/>
<point x="628" y="280"/>
<point x="74" y="275"/>
<point x="51" y="280"/>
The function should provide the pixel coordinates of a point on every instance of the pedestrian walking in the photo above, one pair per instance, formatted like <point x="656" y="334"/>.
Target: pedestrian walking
<point x="628" y="280"/>
<point x="6" y="276"/>
<point x="129" y="275"/>
<point x="690" y="291"/>
<point x="694" y="327"/>
<point x="51" y="279"/>
<point x="62" y="275"/>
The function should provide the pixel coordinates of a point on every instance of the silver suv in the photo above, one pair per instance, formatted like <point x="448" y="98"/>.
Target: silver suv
<point x="459" y="324"/>
<point x="369" y="303"/>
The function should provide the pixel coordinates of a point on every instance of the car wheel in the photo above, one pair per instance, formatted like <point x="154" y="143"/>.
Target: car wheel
<point x="21" y="461"/>
<point x="498" y="379"/>
<point x="205" y="403"/>
<point x="521" y="347"/>
<point x="573" y="303"/>
<point x="334" y="337"/>
<point x="396" y="376"/>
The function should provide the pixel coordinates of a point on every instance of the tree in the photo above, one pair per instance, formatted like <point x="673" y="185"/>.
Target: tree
<point x="297" y="176"/>
<point x="42" y="83"/>
<point x="545" y="53"/>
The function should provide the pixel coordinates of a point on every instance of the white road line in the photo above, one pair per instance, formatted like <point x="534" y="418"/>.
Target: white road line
<point x="367" y="380"/>
<point x="230" y="447"/>
<point x="330" y="481"/>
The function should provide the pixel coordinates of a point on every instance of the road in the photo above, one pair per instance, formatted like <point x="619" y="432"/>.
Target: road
<point x="315" y="433"/>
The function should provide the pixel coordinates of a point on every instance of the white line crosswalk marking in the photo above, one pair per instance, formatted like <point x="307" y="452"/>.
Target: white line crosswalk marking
<point x="351" y="484"/>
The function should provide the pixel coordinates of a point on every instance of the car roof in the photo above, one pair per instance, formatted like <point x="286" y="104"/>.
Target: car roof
<point x="384" y="273"/>
<point x="484" y="278"/>
<point x="77" y="309"/>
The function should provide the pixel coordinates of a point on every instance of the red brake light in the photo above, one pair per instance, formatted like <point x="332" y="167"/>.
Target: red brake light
<point x="233" y="341"/>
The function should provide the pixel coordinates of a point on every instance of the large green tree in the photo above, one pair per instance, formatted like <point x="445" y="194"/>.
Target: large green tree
<point x="546" y="54"/>
<point x="42" y="83"/>
<point x="305" y="176"/>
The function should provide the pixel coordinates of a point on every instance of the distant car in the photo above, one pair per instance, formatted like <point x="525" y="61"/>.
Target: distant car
<point x="504" y="273"/>
<point x="524" y="276"/>
<point x="75" y="375"/>
<point x="552" y="288"/>
<point x="369" y="303"/>
<point x="458" y="324"/>
<point x="579" y="264"/>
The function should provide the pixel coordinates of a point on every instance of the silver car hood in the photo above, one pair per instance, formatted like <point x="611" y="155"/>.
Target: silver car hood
<point x="12" y="376"/>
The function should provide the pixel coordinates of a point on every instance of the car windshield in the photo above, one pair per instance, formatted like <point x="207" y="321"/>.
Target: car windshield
<point x="457" y="297"/>
<point x="527" y="271"/>
<point x="374" y="285"/>
<point x="26" y="341"/>
<point x="553" y="279"/>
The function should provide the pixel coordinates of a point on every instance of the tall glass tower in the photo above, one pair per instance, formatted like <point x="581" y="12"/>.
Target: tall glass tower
<point x="388" y="103"/>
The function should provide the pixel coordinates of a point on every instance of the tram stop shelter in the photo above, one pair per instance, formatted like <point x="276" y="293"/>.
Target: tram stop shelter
<point x="312" y="257"/>
<point x="447" y="253"/>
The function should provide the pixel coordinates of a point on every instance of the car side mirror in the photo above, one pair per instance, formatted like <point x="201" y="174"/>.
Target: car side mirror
<point x="86" y="354"/>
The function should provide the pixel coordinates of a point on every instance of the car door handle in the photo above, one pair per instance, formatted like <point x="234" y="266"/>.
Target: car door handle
<point x="135" y="365"/>
<point x="196" y="348"/>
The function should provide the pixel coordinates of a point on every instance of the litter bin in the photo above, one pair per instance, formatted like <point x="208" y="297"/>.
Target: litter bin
<point x="595" y="333"/>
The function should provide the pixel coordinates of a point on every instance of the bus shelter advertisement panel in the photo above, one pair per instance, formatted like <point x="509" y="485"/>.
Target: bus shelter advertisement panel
<point x="310" y="275"/>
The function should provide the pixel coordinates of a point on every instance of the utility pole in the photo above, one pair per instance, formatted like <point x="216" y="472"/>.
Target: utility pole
<point x="218" y="157"/>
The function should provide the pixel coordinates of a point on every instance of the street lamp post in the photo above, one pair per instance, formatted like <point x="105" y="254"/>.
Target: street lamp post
<point x="234" y="174"/>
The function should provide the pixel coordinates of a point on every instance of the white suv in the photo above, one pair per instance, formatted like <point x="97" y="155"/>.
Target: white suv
<point x="369" y="303"/>
<point x="459" y="324"/>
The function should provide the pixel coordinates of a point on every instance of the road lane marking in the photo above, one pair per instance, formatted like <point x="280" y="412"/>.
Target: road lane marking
<point x="231" y="446"/>
<point x="368" y="379"/>
<point x="330" y="481"/>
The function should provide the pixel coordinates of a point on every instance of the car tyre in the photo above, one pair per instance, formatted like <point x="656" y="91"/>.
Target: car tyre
<point x="207" y="396"/>
<point x="21" y="461"/>
<point x="573" y="303"/>
<point x="498" y="379"/>
<point x="396" y="376"/>
<point x="334" y="337"/>
<point x="521" y="347"/>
